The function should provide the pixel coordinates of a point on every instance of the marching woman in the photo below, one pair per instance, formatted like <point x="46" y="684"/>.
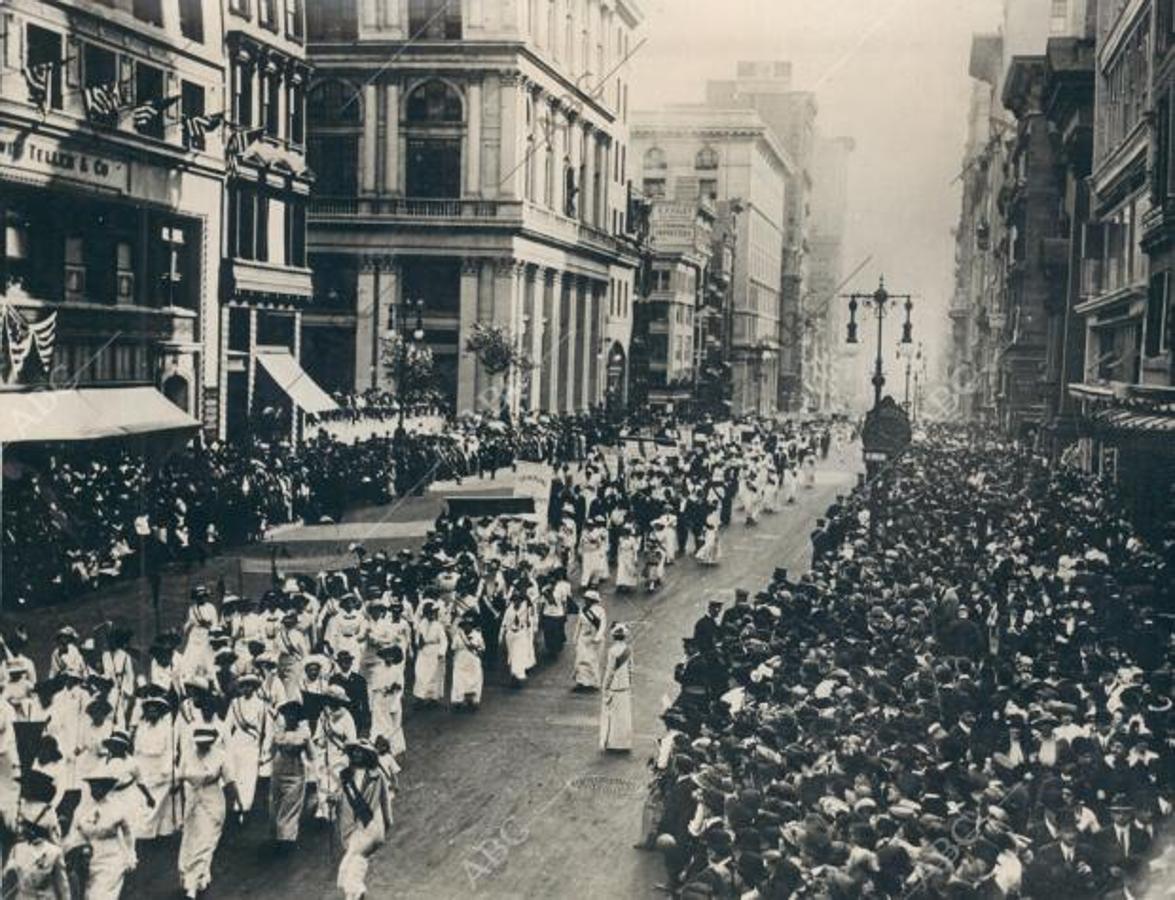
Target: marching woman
<point x="468" y="649"/>
<point x="655" y="559"/>
<point x="432" y="643"/>
<point x="334" y="730"/>
<point x="155" y="749"/>
<point x="291" y="758"/>
<point x="627" y="567"/>
<point x="101" y="829"/>
<point x="616" y="711"/>
<point x="248" y="738"/>
<point x="593" y="551"/>
<point x="206" y="779"/>
<point x="709" y="553"/>
<point x="386" y="686"/>
<point x="810" y="470"/>
<point x="516" y="636"/>
<point x="789" y="483"/>
<point x="364" y="818"/>
<point x="770" y="492"/>
<point x="589" y="640"/>
<point x="752" y="502"/>
<point x="554" y="613"/>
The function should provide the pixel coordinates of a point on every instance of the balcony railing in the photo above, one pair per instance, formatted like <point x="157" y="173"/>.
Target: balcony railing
<point x="412" y="208"/>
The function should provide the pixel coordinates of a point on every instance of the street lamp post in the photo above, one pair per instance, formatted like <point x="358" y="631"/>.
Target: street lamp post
<point x="417" y="334"/>
<point x="879" y="300"/>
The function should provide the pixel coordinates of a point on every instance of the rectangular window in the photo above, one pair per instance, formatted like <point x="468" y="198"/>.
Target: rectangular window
<point x="1156" y="315"/>
<point x="295" y="114"/>
<point x="296" y="233"/>
<point x="192" y="20"/>
<point x="148" y="87"/>
<point x="246" y="223"/>
<point x="294" y="19"/>
<point x="654" y="187"/>
<point x="262" y="239"/>
<point x="192" y="104"/>
<point x="243" y="94"/>
<point x="267" y="14"/>
<point x="272" y="102"/>
<point x="149" y="11"/>
<point x="239" y="7"/>
<point x="43" y="48"/>
<point x="99" y="66"/>
<point x="707" y="188"/>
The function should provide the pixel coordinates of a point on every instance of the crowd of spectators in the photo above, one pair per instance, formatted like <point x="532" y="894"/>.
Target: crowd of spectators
<point x="77" y="518"/>
<point x="968" y="696"/>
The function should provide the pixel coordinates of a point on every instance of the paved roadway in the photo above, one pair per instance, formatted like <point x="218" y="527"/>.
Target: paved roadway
<point x="516" y="800"/>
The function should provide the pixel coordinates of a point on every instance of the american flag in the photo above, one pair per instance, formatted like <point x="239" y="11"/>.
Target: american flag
<point x="102" y="99"/>
<point x="239" y="141"/>
<point x="37" y="78"/>
<point x="146" y="113"/>
<point x="195" y="127"/>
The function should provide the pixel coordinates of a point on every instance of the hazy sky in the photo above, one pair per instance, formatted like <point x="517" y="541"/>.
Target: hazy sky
<point x="892" y="74"/>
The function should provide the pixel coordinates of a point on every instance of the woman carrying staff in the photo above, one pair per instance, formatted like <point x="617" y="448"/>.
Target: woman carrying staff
<point x="101" y="830"/>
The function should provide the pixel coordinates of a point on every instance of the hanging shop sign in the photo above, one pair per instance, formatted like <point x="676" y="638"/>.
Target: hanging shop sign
<point x="31" y="154"/>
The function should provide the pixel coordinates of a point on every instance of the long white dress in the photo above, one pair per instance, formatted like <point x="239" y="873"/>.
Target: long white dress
<point x="432" y="645"/>
<point x="363" y="825"/>
<point x="627" y="566"/>
<point x="203" y="777"/>
<point x="709" y="553"/>
<point x="386" y="689"/>
<point x="468" y="678"/>
<point x="104" y="827"/>
<point x="589" y="640"/>
<point x="518" y="636"/>
<point x="616" y="710"/>
<point x="248" y="733"/>
<point x="593" y="549"/>
<point x="789" y="485"/>
<point x="155" y="755"/>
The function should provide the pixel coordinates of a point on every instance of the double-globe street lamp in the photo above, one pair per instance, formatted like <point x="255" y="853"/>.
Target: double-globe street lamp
<point x="880" y="299"/>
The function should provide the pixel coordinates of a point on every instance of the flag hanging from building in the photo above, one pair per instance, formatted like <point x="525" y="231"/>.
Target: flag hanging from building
<point x="239" y="141"/>
<point x="37" y="79"/>
<point x="102" y="100"/>
<point x="145" y="114"/>
<point x="196" y="127"/>
<point x="44" y="335"/>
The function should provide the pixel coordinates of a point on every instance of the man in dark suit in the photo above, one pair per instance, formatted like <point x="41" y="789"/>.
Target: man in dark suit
<point x="356" y="687"/>
<point x="1121" y="849"/>
<point x="707" y="631"/>
<point x="1064" y="867"/>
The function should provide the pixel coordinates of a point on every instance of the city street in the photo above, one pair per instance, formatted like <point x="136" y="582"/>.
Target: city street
<point x="516" y="800"/>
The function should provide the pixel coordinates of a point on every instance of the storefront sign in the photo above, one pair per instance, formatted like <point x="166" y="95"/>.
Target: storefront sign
<point x="33" y="154"/>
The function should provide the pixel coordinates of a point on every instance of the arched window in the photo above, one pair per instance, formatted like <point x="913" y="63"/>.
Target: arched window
<point x="706" y="159"/>
<point x="655" y="160"/>
<point x="434" y="102"/>
<point x="334" y="103"/>
<point x="335" y="113"/>
<point x="434" y="129"/>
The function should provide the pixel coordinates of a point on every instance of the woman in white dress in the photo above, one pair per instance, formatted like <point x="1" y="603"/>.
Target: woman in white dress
<point x="593" y="549"/>
<point x="790" y="484"/>
<point x="154" y="739"/>
<point x="248" y="739"/>
<point x="616" y="699"/>
<point x="627" y="567"/>
<point x="589" y="641"/>
<point x="517" y="636"/>
<point x="810" y="471"/>
<point x="206" y="778"/>
<point x="665" y="528"/>
<point x="709" y="553"/>
<point x="753" y="501"/>
<point x="770" y="492"/>
<point x="431" y="646"/>
<point x="101" y="825"/>
<point x="468" y="678"/>
<point x="386" y="688"/>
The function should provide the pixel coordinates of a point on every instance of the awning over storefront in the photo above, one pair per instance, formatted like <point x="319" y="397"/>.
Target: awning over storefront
<point x="1136" y="421"/>
<point x="88" y="414"/>
<point x="296" y="384"/>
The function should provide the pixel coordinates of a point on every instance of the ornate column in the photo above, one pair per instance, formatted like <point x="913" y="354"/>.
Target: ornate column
<point x="532" y="332"/>
<point x="391" y="175"/>
<point x="510" y="174"/>
<point x="586" y="199"/>
<point x="473" y="137"/>
<point x="378" y="292"/>
<point x="583" y="327"/>
<point x="550" y="326"/>
<point x="595" y="292"/>
<point x="559" y="151"/>
<point x="367" y="182"/>
<point x="466" y="363"/>
<point x="505" y="314"/>
<point x="566" y="342"/>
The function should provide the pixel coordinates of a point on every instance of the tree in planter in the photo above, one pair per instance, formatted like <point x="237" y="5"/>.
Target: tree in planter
<point x="411" y="366"/>
<point x="497" y="350"/>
